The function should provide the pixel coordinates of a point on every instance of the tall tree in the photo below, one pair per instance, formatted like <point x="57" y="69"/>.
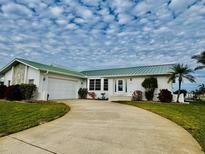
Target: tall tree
<point x="200" y="59"/>
<point x="180" y="72"/>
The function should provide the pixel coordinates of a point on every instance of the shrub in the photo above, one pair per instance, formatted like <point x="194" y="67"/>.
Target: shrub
<point x="2" y="91"/>
<point x="183" y="91"/>
<point x="13" y="93"/>
<point x="92" y="94"/>
<point x="165" y="95"/>
<point x="137" y="95"/>
<point x="82" y="92"/>
<point x="150" y="84"/>
<point x="103" y="96"/>
<point x="149" y="94"/>
<point x="28" y="91"/>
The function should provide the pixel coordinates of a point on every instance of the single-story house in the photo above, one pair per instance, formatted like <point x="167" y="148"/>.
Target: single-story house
<point x="54" y="82"/>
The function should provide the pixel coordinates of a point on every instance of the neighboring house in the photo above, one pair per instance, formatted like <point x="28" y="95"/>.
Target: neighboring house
<point x="62" y="83"/>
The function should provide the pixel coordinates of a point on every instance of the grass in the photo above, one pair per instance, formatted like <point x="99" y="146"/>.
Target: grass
<point x="16" y="116"/>
<point x="189" y="116"/>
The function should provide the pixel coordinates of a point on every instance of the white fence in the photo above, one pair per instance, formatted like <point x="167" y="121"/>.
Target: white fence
<point x="181" y="98"/>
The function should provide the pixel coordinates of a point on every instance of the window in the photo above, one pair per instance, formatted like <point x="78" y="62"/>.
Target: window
<point x="9" y="82"/>
<point x="92" y="84"/>
<point x="105" y="84"/>
<point x="95" y="84"/>
<point x="31" y="81"/>
<point x="98" y="84"/>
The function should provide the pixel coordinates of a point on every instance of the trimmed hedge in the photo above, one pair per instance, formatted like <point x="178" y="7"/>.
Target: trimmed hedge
<point x="27" y="91"/>
<point x="2" y="91"/>
<point x="18" y="92"/>
<point x="150" y="84"/>
<point x="82" y="92"/>
<point x="13" y="93"/>
<point x="149" y="94"/>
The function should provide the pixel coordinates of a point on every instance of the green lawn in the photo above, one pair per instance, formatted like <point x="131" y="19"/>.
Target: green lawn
<point x="15" y="116"/>
<point x="189" y="116"/>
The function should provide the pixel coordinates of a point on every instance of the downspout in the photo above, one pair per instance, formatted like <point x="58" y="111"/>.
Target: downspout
<point x="45" y="86"/>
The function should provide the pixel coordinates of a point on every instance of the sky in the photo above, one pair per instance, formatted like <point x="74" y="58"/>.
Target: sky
<point x="93" y="34"/>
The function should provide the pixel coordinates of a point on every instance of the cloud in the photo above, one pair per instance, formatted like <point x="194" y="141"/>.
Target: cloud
<point x="56" y="11"/>
<point x="141" y="8"/>
<point x="71" y="26"/>
<point x="89" y="34"/>
<point x="91" y="2"/>
<point x="125" y="18"/>
<point x="180" y="6"/>
<point x="16" y="10"/>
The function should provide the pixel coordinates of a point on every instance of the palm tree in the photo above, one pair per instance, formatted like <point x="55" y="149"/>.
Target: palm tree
<point x="180" y="72"/>
<point x="200" y="59"/>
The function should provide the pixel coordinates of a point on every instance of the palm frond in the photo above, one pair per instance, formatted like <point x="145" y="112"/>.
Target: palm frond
<point x="172" y="78"/>
<point x="181" y="71"/>
<point x="200" y="59"/>
<point x="199" y="67"/>
<point x="189" y="77"/>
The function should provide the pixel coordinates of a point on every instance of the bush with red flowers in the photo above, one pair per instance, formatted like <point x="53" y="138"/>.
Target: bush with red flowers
<point x="165" y="96"/>
<point x="92" y="94"/>
<point x="137" y="95"/>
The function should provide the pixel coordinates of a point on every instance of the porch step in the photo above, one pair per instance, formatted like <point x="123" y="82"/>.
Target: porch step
<point x="120" y="98"/>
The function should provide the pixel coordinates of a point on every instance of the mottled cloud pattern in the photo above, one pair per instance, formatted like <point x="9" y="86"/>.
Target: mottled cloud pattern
<point x="89" y="34"/>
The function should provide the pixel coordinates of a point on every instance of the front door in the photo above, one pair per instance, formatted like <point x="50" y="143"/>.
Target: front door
<point x="120" y="89"/>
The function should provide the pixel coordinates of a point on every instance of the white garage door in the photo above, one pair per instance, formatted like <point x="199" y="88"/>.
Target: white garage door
<point x="61" y="89"/>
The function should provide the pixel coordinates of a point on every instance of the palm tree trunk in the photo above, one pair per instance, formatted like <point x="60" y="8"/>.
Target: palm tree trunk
<point x="179" y="90"/>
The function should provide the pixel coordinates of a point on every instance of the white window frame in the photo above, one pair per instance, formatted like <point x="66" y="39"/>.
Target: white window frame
<point x="106" y="85"/>
<point x="94" y="88"/>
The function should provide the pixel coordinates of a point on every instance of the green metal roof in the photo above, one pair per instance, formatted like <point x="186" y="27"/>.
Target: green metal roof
<point x="132" y="71"/>
<point x="44" y="67"/>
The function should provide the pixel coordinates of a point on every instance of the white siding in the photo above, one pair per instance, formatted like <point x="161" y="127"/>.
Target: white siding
<point x="7" y="77"/>
<point x="133" y="83"/>
<point x="99" y="92"/>
<point x="33" y="74"/>
<point x="136" y="82"/>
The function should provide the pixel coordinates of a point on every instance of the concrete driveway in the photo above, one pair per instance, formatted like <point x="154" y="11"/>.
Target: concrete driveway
<point x="94" y="127"/>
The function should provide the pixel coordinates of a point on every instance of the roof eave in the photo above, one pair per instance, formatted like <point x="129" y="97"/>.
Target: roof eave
<point x="3" y="70"/>
<point x="61" y="73"/>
